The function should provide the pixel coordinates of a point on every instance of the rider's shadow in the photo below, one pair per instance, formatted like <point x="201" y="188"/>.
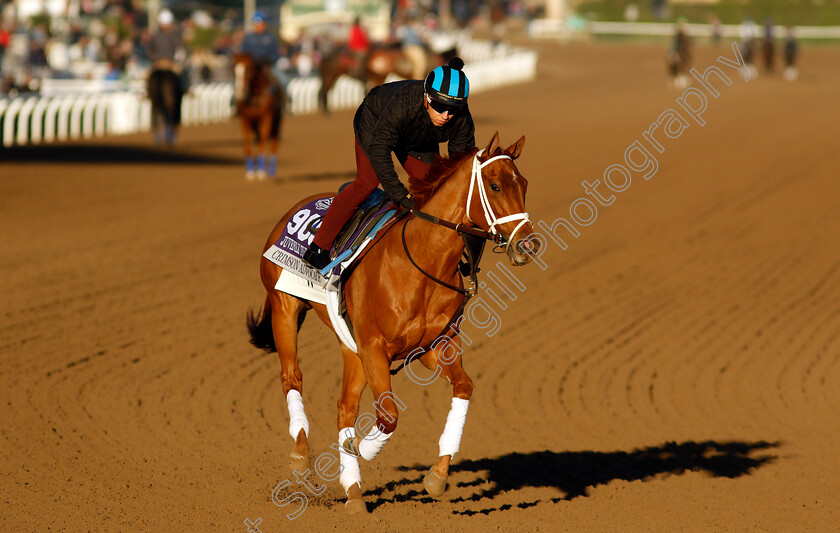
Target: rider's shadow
<point x="574" y="473"/>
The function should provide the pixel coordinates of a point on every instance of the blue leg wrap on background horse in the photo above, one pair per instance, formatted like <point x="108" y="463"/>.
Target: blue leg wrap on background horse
<point x="261" y="163"/>
<point x="249" y="164"/>
<point x="272" y="165"/>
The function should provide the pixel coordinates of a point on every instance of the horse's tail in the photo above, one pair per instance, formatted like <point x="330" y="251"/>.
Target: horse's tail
<point x="259" y="326"/>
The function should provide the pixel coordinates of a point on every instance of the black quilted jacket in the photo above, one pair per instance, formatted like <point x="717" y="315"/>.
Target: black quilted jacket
<point x="392" y="119"/>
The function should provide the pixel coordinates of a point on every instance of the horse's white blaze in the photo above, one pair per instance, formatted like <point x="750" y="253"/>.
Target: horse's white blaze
<point x="239" y="81"/>
<point x="350" y="473"/>
<point x="450" y="440"/>
<point x="297" y="415"/>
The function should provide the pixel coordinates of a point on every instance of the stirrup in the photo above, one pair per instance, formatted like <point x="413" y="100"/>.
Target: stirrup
<point x="316" y="257"/>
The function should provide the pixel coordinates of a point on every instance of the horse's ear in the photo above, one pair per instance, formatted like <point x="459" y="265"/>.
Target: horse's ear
<point x="494" y="143"/>
<point x="516" y="148"/>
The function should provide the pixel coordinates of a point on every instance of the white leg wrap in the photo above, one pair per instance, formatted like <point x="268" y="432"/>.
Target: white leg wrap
<point x="297" y="416"/>
<point x="350" y="473"/>
<point x="371" y="445"/>
<point x="450" y="440"/>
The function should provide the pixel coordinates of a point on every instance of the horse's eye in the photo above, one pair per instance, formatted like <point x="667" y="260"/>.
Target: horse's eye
<point x="495" y="187"/>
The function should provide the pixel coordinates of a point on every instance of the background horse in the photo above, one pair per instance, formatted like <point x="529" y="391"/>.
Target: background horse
<point x="413" y="308"/>
<point x="679" y="59"/>
<point x="259" y="104"/>
<point x="165" y="93"/>
<point x="373" y="68"/>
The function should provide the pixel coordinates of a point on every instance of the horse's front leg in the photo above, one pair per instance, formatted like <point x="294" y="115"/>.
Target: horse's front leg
<point x="353" y="382"/>
<point x="446" y="356"/>
<point x="264" y="126"/>
<point x="381" y="425"/>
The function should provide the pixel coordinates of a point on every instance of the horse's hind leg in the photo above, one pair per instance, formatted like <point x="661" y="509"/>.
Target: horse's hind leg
<point x="447" y="357"/>
<point x="352" y="384"/>
<point x="274" y="141"/>
<point x="247" y="146"/>
<point x="287" y="314"/>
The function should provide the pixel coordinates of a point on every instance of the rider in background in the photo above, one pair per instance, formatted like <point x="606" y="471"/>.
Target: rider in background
<point x="768" y="47"/>
<point x="410" y="118"/>
<point x="264" y="49"/>
<point x="358" y="44"/>
<point x="166" y="48"/>
<point x="408" y="33"/>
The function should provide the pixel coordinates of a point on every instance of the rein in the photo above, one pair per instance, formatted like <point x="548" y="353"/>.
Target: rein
<point x="468" y="293"/>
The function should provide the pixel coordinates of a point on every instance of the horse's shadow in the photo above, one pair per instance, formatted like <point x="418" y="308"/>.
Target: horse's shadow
<point x="574" y="473"/>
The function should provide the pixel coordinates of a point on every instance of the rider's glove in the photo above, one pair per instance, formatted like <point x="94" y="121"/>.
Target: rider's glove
<point x="407" y="201"/>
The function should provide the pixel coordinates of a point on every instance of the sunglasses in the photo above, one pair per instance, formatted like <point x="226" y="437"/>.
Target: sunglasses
<point x="442" y="108"/>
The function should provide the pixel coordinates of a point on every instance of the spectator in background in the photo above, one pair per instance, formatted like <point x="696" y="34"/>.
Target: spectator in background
<point x="5" y="38"/>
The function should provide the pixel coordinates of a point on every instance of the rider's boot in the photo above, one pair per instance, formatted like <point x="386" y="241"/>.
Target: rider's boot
<point x="316" y="256"/>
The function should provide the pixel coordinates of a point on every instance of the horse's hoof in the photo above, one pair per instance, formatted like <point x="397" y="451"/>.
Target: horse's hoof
<point x="298" y="462"/>
<point x="299" y="458"/>
<point x="355" y="503"/>
<point x="261" y="175"/>
<point x="250" y="175"/>
<point x="434" y="484"/>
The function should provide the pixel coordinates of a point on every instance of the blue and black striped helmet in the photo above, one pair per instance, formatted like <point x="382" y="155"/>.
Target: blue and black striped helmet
<point x="448" y="84"/>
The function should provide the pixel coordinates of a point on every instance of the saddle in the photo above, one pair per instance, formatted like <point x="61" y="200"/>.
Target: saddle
<point x="166" y="64"/>
<point x="366" y="216"/>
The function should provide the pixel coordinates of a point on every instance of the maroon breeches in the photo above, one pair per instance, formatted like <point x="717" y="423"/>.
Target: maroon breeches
<point x="346" y="202"/>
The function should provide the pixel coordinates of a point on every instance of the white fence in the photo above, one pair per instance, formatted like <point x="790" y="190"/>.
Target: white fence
<point x="45" y="119"/>
<point x="486" y="66"/>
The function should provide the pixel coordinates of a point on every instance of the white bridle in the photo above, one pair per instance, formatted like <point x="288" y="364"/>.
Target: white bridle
<point x="489" y="215"/>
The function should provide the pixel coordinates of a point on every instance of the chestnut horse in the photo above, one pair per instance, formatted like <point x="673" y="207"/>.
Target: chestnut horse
<point x="373" y="68"/>
<point x="259" y="104"/>
<point x="395" y="307"/>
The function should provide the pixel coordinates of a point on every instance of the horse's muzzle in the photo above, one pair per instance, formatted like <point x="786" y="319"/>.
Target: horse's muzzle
<point x="522" y="251"/>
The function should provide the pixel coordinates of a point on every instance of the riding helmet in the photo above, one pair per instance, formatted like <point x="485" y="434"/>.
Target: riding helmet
<point x="448" y="84"/>
<point x="165" y="17"/>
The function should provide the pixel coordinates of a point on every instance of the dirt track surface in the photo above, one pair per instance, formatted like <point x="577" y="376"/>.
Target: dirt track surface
<point x="675" y="369"/>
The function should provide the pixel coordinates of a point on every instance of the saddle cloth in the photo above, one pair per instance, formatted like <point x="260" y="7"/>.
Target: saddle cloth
<point x="325" y="287"/>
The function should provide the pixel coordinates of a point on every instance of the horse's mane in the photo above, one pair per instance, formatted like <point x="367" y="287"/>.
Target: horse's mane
<point x="422" y="189"/>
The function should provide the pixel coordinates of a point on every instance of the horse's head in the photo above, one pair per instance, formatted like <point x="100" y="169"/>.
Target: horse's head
<point x="243" y="67"/>
<point x="496" y="199"/>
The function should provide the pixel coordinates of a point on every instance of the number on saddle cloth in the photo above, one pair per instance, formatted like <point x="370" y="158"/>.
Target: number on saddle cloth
<point x="301" y="228"/>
